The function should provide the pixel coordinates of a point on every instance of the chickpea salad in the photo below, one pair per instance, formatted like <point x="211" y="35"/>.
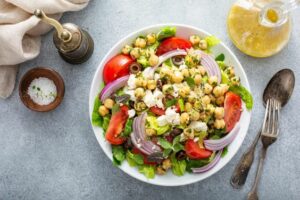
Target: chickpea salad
<point x="167" y="103"/>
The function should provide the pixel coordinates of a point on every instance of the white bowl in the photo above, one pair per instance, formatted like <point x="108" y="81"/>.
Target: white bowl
<point x="169" y="179"/>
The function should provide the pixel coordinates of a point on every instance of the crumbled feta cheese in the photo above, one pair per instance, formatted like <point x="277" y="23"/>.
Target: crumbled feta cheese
<point x="149" y="99"/>
<point x="131" y="113"/>
<point x="131" y="81"/>
<point x="130" y="93"/>
<point x="196" y="139"/>
<point x="156" y="76"/>
<point x="148" y="73"/>
<point x="198" y="126"/>
<point x="181" y="67"/>
<point x="158" y="96"/>
<point x="162" y="121"/>
<point x="175" y="90"/>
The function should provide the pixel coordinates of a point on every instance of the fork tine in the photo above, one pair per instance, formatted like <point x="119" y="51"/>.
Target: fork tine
<point x="266" y="116"/>
<point x="274" y="116"/>
<point x="277" y="113"/>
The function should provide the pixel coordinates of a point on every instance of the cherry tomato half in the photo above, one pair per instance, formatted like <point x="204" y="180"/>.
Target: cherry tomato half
<point x="116" y="125"/>
<point x="173" y="43"/>
<point x="193" y="150"/>
<point x="232" y="110"/>
<point x="116" y="67"/>
<point x="158" y="111"/>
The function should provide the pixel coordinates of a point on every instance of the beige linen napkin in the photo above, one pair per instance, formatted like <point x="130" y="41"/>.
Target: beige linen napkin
<point x="20" y="33"/>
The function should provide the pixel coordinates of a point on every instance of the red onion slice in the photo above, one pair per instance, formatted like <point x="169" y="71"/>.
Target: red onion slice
<point x="138" y="137"/>
<point x="110" y="88"/>
<point x="209" y="165"/>
<point x="215" y="145"/>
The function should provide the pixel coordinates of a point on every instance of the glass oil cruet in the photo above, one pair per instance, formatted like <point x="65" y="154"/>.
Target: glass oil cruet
<point x="260" y="28"/>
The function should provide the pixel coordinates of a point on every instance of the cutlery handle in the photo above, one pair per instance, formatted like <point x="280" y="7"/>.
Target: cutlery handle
<point x="252" y="195"/>
<point x="240" y="172"/>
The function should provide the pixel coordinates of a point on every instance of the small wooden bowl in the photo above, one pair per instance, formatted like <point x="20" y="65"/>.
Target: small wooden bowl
<point x="36" y="73"/>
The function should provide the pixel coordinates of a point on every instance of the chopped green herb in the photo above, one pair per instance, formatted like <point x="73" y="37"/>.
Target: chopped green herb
<point x="220" y="57"/>
<point x="190" y="81"/>
<point x="128" y="128"/>
<point x="181" y="104"/>
<point x="164" y="143"/>
<point x="171" y="102"/>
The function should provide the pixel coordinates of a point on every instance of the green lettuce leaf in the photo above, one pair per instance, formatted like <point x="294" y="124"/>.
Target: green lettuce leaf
<point x="212" y="41"/>
<point x="143" y="61"/>
<point x="105" y="124"/>
<point x="244" y="94"/>
<point x="147" y="170"/>
<point x="97" y="119"/>
<point x="118" y="154"/>
<point x="152" y="121"/>
<point x="128" y="128"/>
<point x="166" y="32"/>
<point x="134" y="159"/>
<point x="178" y="166"/>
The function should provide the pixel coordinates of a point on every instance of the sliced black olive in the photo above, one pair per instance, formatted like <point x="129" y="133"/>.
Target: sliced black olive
<point x="180" y="155"/>
<point x="175" y="132"/>
<point x="134" y="68"/>
<point x="159" y="84"/>
<point x="155" y="157"/>
<point x="177" y="60"/>
<point x="128" y="144"/>
<point x="123" y="98"/>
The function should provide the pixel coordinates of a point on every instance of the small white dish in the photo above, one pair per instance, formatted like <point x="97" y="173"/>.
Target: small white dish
<point x="169" y="179"/>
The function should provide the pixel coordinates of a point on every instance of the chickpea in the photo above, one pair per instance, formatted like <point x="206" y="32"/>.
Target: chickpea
<point x="139" y="93"/>
<point x="217" y="91"/>
<point x="192" y="97"/>
<point x="213" y="80"/>
<point x="188" y="107"/>
<point x="177" y="77"/>
<point x="203" y="116"/>
<point x="140" y="42"/>
<point x="202" y="70"/>
<point x="184" y="118"/>
<point x="160" y="170"/>
<point x="207" y="88"/>
<point x="140" y="106"/>
<point x="103" y="110"/>
<point x="151" y="84"/>
<point x="224" y="88"/>
<point x="167" y="88"/>
<point x="109" y="103"/>
<point x="193" y="71"/>
<point x="198" y="79"/>
<point x="219" y="124"/>
<point x="153" y="60"/>
<point x="166" y="164"/>
<point x="150" y="132"/>
<point x="210" y="108"/>
<point x="194" y="39"/>
<point x="212" y="98"/>
<point x="194" y="115"/>
<point x="164" y="71"/>
<point x="138" y="82"/>
<point x="203" y="44"/>
<point x="189" y="133"/>
<point x="219" y="112"/>
<point x="220" y="100"/>
<point x="135" y="53"/>
<point x="183" y="92"/>
<point x="185" y="72"/>
<point x="126" y="49"/>
<point x="205" y="100"/>
<point x="151" y="38"/>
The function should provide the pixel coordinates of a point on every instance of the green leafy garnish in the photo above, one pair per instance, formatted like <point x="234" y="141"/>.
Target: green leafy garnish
<point x="128" y="128"/>
<point x="164" y="143"/>
<point x="178" y="166"/>
<point x="170" y="147"/>
<point x="224" y="152"/>
<point x="154" y="46"/>
<point x="171" y="102"/>
<point x="166" y="32"/>
<point x="212" y="41"/>
<point x="168" y="62"/>
<point x="244" y="94"/>
<point x="217" y="134"/>
<point x="118" y="154"/>
<point x="134" y="159"/>
<point x="190" y="81"/>
<point x="143" y="61"/>
<point x="220" y="57"/>
<point x="97" y="119"/>
<point x="105" y="124"/>
<point x="224" y="77"/>
<point x="147" y="170"/>
<point x="181" y="104"/>
<point x="152" y="122"/>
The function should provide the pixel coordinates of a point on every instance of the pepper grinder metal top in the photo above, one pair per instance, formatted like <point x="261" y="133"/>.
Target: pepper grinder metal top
<point x="73" y="44"/>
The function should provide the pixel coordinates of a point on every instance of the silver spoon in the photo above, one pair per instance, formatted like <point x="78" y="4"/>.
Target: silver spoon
<point x="280" y="88"/>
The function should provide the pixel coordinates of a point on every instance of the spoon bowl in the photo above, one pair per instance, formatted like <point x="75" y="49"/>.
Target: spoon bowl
<point x="280" y="87"/>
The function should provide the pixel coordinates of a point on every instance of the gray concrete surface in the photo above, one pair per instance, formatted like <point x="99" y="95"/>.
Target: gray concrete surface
<point x="55" y="155"/>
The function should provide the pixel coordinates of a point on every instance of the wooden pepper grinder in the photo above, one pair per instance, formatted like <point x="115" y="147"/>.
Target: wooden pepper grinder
<point x="73" y="44"/>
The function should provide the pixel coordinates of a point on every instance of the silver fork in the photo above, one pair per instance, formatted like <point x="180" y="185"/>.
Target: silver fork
<point x="269" y="135"/>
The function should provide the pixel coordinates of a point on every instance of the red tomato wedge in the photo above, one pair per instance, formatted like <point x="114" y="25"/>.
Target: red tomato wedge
<point x="116" y="125"/>
<point x="137" y="151"/>
<point x="232" y="110"/>
<point x="193" y="150"/>
<point x="158" y="111"/>
<point x="173" y="43"/>
<point x="116" y="67"/>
